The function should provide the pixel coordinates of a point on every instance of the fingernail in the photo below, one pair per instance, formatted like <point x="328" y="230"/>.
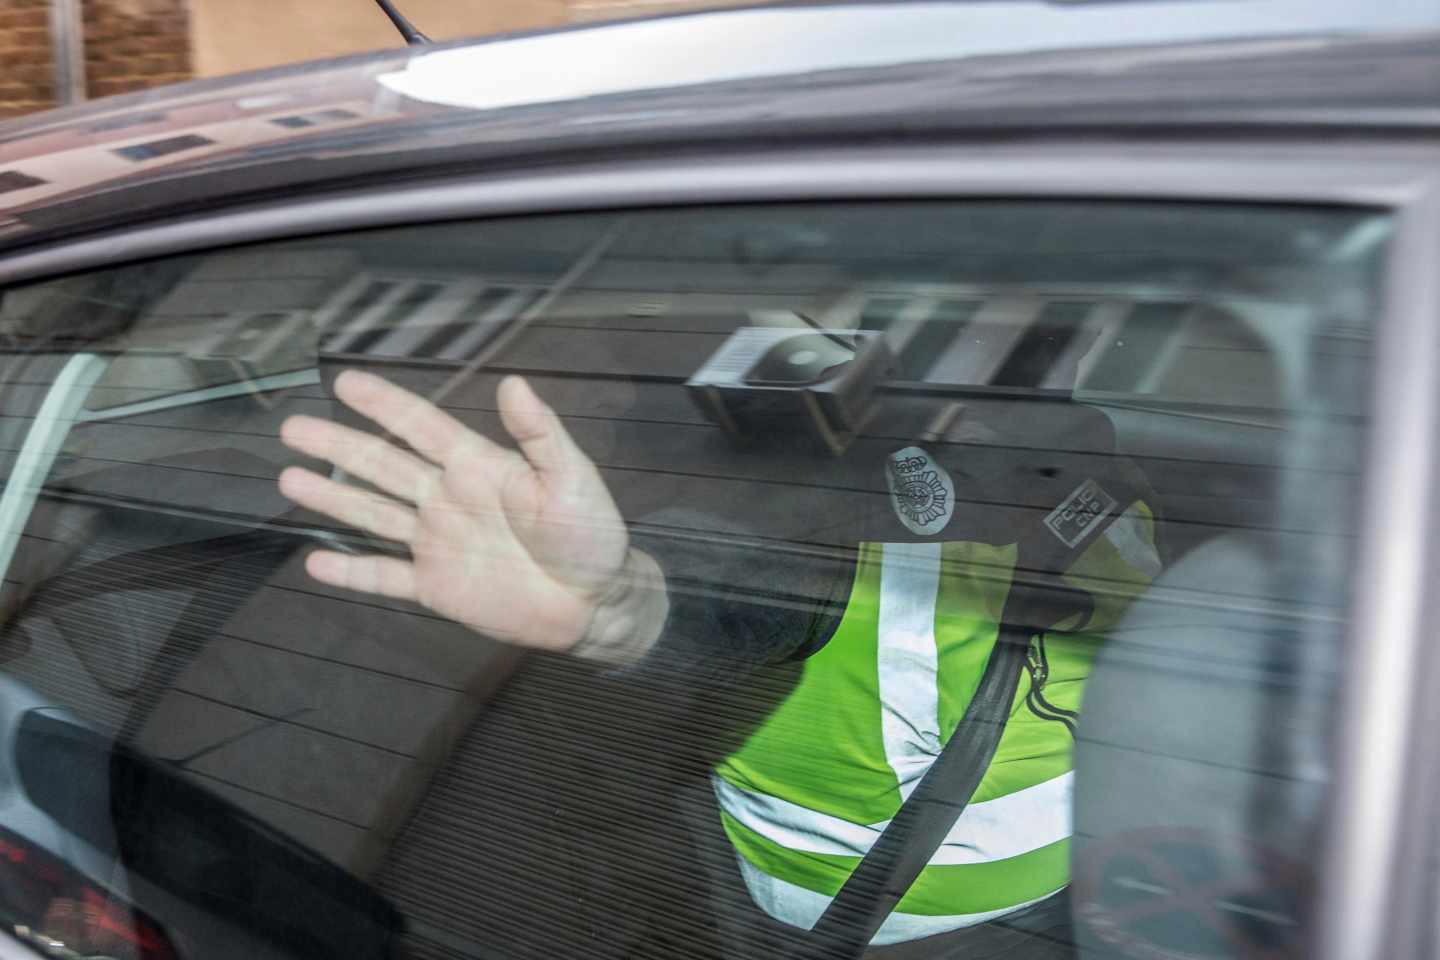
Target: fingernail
<point x="353" y="379"/>
<point x="325" y="566"/>
<point x="291" y="480"/>
<point x="291" y="428"/>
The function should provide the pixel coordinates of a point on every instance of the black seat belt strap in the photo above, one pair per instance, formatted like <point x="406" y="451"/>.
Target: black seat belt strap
<point x="905" y="847"/>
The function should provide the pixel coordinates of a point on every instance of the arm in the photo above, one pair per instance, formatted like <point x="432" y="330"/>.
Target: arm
<point x="736" y="603"/>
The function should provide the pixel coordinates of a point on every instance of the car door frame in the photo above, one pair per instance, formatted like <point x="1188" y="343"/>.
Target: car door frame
<point x="1374" y="889"/>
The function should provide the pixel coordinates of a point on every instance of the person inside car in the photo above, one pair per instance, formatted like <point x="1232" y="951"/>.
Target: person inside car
<point x="527" y="545"/>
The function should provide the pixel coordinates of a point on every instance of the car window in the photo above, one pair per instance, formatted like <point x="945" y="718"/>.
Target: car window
<point x="650" y="583"/>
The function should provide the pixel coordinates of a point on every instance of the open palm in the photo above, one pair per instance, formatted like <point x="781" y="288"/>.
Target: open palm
<point x="518" y="545"/>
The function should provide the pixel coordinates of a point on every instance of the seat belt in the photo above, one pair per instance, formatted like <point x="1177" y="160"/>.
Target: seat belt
<point x="905" y="847"/>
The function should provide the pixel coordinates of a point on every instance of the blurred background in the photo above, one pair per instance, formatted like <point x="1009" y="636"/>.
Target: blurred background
<point x="54" y="52"/>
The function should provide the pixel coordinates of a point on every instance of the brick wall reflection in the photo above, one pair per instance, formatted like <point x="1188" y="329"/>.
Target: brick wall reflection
<point x="134" y="44"/>
<point x="27" y="77"/>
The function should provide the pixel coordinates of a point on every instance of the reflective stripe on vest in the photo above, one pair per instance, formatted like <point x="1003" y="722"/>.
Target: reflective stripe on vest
<point x="802" y="908"/>
<point x="985" y="831"/>
<point x="818" y="781"/>
<point x="908" y="661"/>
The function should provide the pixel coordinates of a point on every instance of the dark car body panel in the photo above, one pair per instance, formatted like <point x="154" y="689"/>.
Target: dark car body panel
<point x="1325" y="72"/>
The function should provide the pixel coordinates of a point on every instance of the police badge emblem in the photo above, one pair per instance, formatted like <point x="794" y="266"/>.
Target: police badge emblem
<point x="921" y="492"/>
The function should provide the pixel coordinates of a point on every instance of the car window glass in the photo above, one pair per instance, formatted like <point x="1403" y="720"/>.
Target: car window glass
<point x="678" y="545"/>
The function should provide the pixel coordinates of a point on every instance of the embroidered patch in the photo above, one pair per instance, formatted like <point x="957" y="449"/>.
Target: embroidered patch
<point x="920" y="490"/>
<point x="1079" y="513"/>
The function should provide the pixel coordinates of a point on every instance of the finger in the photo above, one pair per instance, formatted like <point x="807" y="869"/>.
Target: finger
<point x="362" y="454"/>
<point x="386" y="576"/>
<point x="432" y="432"/>
<point x="542" y="437"/>
<point x="371" y="512"/>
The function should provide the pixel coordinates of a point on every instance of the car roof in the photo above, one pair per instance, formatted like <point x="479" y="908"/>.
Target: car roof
<point x="798" y="73"/>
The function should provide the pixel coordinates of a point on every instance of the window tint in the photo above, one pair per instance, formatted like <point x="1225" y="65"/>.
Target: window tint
<point x="623" y="584"/>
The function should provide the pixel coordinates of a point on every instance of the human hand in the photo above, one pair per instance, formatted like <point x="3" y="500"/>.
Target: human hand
<point x="518" y="545"/>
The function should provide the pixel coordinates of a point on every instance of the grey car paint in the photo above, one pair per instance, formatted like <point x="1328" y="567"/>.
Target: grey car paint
<point x="940" y="69"/>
